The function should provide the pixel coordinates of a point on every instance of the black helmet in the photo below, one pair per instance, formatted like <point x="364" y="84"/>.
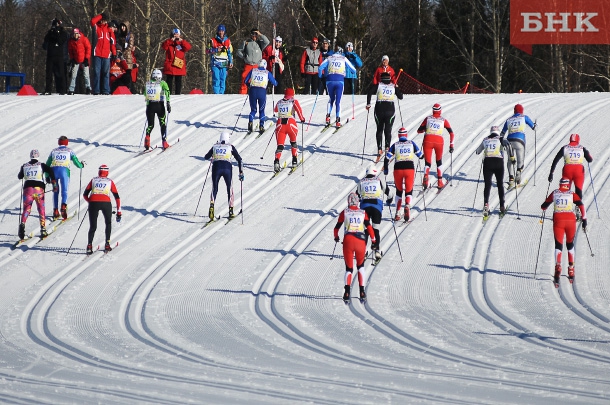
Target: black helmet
<point x="386" y="78"/>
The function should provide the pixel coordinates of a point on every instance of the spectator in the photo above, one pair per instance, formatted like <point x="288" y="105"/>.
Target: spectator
<point x="275" y="55"/>
<point x="221" y="59"/>
<point x="127" y="43"/>
<point x="384" y="67"/>
<point x="310" y="60"/>
<point x="54" y="42"/>
<point x="175" y="60"/>
<point x="105" y="48"/>
<point x="251" y="51"/>
<point x="79" y="50"/>
<point x="326" y="52"/>
<point x="119" y="75"/>
<point x="351" y="76"/>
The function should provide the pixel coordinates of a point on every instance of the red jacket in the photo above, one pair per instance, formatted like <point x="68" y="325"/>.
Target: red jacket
<point x="79" y="49"/>
<point x="269" y="56"/>
<point x="118" y="69"/>
<point x="175" y="49"/>
<point x="382" y="69"/>
<point x="106" y="42"/>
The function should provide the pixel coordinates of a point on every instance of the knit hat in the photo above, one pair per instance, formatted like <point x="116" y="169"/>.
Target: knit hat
<point x="386" y="77"/>
<point x="278" y="38"/>
<point x="349" y="45"/>
<point x="262" y="64"/>
<point x="76" y="31"/>
<point x="105" y="16"/>
<point x="103" y="171"/>
<point x="34" y="154"/>
<point x="56" y="22"/>
<point x="175" y="31"/>
<point x="436" y="109"/>
<point x="253" y="30"/>
<point x="518" y="109"/>
<point x="353" y="199"/>
<point x="565" y="184"/>
<point x="221" y="27"/>
<point x="289" y="93"/>
<point x="63" y="140"/>
<point x="314" y="39"/>
<point x="326" y="41"/>
<point x="402" y="133"/>
<point x="113" y="24"/>
<point x="574" y="139"/>
<point x="385" y="57"/>
<point x="495" y="130"/>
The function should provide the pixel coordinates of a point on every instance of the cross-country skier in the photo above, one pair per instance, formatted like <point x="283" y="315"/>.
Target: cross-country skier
<point x="97" y="194"/>
<point x="515" y="126"/>
<point x="257" y="80"/>
<point x="33" y="190"/>
<point x="493" y="147"/>
<point x="405" y="152"/>
<point x="286" y="108"/>
<point x="564" y="223"/>
<point x="573" y="155"/>
<point x="221" y="154"/>
<point x="59" y="160"/>
<point x="432" y="127"/>
<point x="334" y="70"/>
<point x="356" y="222"/>
<point x="157" y="94"/>
<point x="371" y="190"/>
<point x="385" y="110"/>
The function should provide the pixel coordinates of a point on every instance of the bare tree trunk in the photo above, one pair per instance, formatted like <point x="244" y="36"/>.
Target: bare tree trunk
<point x="417" y="62"/>
<point x="336" y="18"/>
<point x="204" y="66"/>
<point x="147" y="41"/>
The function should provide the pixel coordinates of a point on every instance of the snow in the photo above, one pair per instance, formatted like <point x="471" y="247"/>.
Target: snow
<point x="252" y="312"/>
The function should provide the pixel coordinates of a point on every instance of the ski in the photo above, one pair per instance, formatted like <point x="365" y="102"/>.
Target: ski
<point x="281" y="169"/>
<point x="145" y="151"/>
<point x="523" y="184"/>
<point x="98" y="248"/>
<point x="164" y="149"/>
<point x="327" y="126"/>
<point x="346" y="122"/>
<point x="53" y="228"/>
<point x="485" y="218"/>
<point x="28" y="237"/>
<point x="362" y="300"/>
<point x="294" y="168"/>
<point x="211" y="221"/>
<point x="266" y="129"/>
<point x="229" y="219"/>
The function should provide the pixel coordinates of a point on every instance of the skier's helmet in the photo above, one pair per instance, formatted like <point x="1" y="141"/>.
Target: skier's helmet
<point x="224" y="137"/>
<point x="402" y="133"/>
<point x="63" y="140"/>
<point x="436" y="110"/>
<point x="103" y="171"/>
<point x="353" y="199"/>
<point x="385" y="78"/>
<point x="372" y="170"/>
<point x="495" y="130"/>
<point x="262" y="64"/>
<point x="34" y="154"/>
<point x="518" y="109"/>
<point x="289" y="93"/>
<point x="156" y="75"/>
<point x="564" y="184"/>
<point x="574" y="139"/>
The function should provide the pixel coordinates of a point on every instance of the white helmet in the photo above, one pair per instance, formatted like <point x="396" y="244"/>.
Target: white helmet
<point x="156" y="75"/>
<point x="262" y="64"/>
<point x="372" y="170"/>
<point x="224" y="137"/>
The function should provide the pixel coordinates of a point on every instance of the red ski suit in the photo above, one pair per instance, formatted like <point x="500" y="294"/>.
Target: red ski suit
<point x="286" y="124"/>
<point x="432" y="128"/>
<point x="564" y="219"/>
<point x="353" y="240"/>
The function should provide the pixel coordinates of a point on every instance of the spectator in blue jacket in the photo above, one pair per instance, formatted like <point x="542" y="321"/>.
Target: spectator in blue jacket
<point x="351" y="76"/>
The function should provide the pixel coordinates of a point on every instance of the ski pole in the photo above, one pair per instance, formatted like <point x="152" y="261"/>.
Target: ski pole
<point x="535" y="150"/>
<point x="268" y="143"/>
<point x="20" y="203"/>
<point x="239" y="115"/>
<point x="516" y="193"/>
<point x="539" y="241"/>
<point x="365" y="129"/>
<point x="451" y="171"/>
<point x="402" y="124"/>
<point x="204" y="181"/>
<point x="241" y="199"/>
<point x="332" y="256"/>
<point x="289" y="71"/>
<point x="313" y="108"/>
<point x="353" y="99"/>
<point x="81" y="224"/>
<point x="589" y="243"/>
<point x="394" y="226"/>
<point x="302" y="151"/>
<point x="80" y="186"/>
<point x="273" y="69"/>
<point x="424" y="194"/>
<point x="593" y="187"/>
<point x="477" y="189"/>
<point x="143" y="131"/>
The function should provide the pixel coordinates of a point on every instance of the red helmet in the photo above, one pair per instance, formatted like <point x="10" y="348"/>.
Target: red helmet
<point x="63" y="140"/>
<point x="103" y="171"/>
<point x="518" y="109"/>
<point x="436" y="110"/>
<point x="289" y="93"/>
<point x="574" y="139"/>
<point x="402" y="133"/>
<point x="564" y="184"/>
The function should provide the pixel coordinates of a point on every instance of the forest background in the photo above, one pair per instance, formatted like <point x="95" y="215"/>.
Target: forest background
<point x="442" y="43"/>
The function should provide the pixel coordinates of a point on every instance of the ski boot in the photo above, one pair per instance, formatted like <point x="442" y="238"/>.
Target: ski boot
<point x="276" y="165"/>
<point x="407" y="213"/>
<point x="502" y="211"/>
<point x="147" y="142"/>
<point x="557" y="275"/>
<point x="511" y="182"/>
<point x="518" y="177"/>
<point x="107" y="247"/>
<point x="362" y="294"/>
<point x="21" y="231"/>
<point x="441" y="183"/>
<point x="231" y="214"/>
<point x="571" y="273"/>
<point x="165" y="145"/>
<point x="64" y="211"/>
<point x="261" y="128"/>
<point x="485" y="211"/>
<point x="338" y="123"/>
<point x="397" y="216"/>
<point x="89" y="250"/>
<point x="328" y="120"/>
<point x="295" y="162"/>
<point x="250" y="127"/>
<point x="43" y="232"/>
<point x="425" y="182"/>
<point x="379" y="153"/>
<point x="56" y="215"/>
<point x="211" y="212"/>
<point x="346" y="294"/>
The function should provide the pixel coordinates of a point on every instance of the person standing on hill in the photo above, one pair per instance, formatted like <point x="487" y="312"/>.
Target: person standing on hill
<point x="59" y="161"/>
<point x="54" y="43"/>
<point x="384" y="68"/>
<point x="221" y="59"/>
<point x="174" y="67"/>
<point x="79" y="49"/>
<point x="275" y="55"/>
<point x="515" y="127"/>
<point x="310" y="61"/>
<point x="432" y="127"/>
<point x="251" y="51"/>
<point x="357" y="224"/>
<point x="351" y="76"/>
<point x="105" y="49"/>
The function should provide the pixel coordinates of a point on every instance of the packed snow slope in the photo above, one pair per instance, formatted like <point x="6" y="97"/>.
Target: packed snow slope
<point x="458" y="311"/>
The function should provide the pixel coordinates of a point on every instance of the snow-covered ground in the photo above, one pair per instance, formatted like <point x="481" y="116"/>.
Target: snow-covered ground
<point x="252" y="312"/>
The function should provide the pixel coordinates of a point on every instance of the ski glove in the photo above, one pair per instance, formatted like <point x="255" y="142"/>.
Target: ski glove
<point x="451" y="149"/>
<point x="169" y="108"/>
<point x="55" y="187"/>
<point x="513" y="159"/>
<point x="385" y="172"/>
<point x="550" y="177"/>
<point x="241" y="177"/>
<point x="584" y="225"/>
<point x="337" y="239"/>
<point x="86" y="63"/>
<point x="119" y="215"/>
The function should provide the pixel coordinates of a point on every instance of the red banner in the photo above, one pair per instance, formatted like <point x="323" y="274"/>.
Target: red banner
<point x="559" y="22"/>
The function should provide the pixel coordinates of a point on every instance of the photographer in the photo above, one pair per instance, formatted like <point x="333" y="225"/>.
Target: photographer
<point x="105" y="49"/>
<point x="175" y="60"/>
<point x="54" y="42"/>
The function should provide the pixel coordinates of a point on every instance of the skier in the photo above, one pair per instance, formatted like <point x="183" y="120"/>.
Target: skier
<point x="404" y="152"/>
<point x="385" y="110"/>
<point x="371" y="189"/>
<point x="157" y="92"/>
<point x="100" y="188"/>
<point x="59" y="160"/>
<point x="573" y="155"/>
<point x="354" y="241"/>
<point x="221" y="154"/>
<point x="257" y="80"/>
<point x="493" y="165"/>
<point x="432" y="127"/>
<point x="286" y="108"/>
<point x="33" y="190"/>
<point x="564" y="222"/>
<point x="515" y="126"/>
<point x="334" y="69"/>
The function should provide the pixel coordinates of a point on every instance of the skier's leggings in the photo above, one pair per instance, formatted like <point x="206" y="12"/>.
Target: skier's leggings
<point x="433" y="143"/>
<point x="519" y="150"/>
<point x="152" y="109"/>
<point x="335" y="91"/>
<point x="285" y="127"/>
<point x="576" y="173"/>
<point x="258" y="99"/>
<point x="352" y="245"/>
<point x="224" y="170"/>
<point x="384" y="117"/>
<point x="63" y="182"/>
<point x="31" y="195"/>
<point x="375" y="217"/>
<point x="493" y="167"/>
<point x="94" y="208"/>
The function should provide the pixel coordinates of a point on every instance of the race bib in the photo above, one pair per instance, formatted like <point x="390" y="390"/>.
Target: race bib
<point x="354" y="221"/>
<point x="32" y="172"/>
<point x="564" y="202"/>
<point x="435" y="126"/>
<point x="516" y="124"/>
<point x="573" y="155"/>
<point x="259" y="78"/>
<point x="221" y="151"/>
<point x="153" y="91"/>
<point x="284" y="108"/>
<point x="385" y="92"/>
<point x="493" y="147"/>
<point x="336" y="66"/>
<point x="101" y="186"/>
<point x="370" y="188"/>
<point x="60" y="158"/>
<point x="404" y="151"/>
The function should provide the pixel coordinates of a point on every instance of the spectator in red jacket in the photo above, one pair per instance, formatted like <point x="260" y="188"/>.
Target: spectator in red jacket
<point x="310" y="60"/>
<point x="275" y="55"/>
<point x="79" y="51"/>
<point x="175" y="60"/>
<point x="105" y="48"/>
<point x="119" y="75"/>
<point x="384" y="67"/>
